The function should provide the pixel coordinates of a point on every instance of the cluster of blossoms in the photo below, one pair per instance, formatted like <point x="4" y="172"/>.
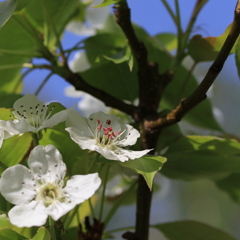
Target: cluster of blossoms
<point x="42" y="191"/>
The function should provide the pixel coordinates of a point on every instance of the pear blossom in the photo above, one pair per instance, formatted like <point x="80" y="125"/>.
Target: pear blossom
<point x="41" y="191"/>
<point x="104" y="134"/>
<point x="31" y="115"/>
<point x="94" y="19"/>
<point x="80" y="62"/>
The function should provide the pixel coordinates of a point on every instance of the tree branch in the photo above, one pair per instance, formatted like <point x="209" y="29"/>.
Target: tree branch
<point x="151" y="83"/>
<point x="200" y="93"/>
<point x="78" y="82"/>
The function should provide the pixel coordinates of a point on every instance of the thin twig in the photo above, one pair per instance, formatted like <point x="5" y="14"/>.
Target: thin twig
<point x="43" y="84"/>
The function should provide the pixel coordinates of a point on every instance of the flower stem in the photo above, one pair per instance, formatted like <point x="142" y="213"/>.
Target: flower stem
<point x="52" y="229"/>
<point x="103" y="193"/>
<point x="92" y="164"/>
<point x="91" y="207"/>
<point x="35" y="139"/>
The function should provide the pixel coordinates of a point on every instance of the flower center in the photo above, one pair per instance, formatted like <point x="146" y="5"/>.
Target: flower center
<point x="35" y="116"/>
<point x="104" y="133"/>
<point x="49" y="193"/>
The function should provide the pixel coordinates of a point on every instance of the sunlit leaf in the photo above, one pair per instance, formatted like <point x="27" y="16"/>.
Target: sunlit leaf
<point x="21" y="145"/>
<point x="6" y="10"/>
<point x="10" y="234"/>
<point x="105" y="3"/>
<point x="42" y="234"/>
<point x="168" y="41"/>
<point x="4" y="221"/>
<point x="124" y="56"/>
<point x="217" y="42"/>
<point x="147" y="166"/>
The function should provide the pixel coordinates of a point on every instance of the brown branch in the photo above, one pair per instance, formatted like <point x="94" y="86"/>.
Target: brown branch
<point x="151" y="87"/>
<point x="80" y="84"/>
<point x="151" y="83"/>
<point x="200" y="93"/>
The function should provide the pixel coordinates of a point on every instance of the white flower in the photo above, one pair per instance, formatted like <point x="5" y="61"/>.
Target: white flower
<point x="105" y="134"/>
<point x="94" y="19"/>
<point x="31" y="115"/>
<point x="40" y="191"/>
<point x="79" y="63"/>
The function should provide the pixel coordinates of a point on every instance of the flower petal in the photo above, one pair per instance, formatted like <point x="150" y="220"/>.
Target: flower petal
<point x="17" y="185"/>
<point x="85" y="142"/>
<point x="82" y="187"/>
<point x="47" y="162"/>
<point x="79" y="63"/>
<point x="130" y="136"/>
<point x="29" y="215"/>
<point x="75" y="120"/>
<point x="14" y="127"/>
<point x="27" y="101"/>
<point x="97" y="16"/>
<point x="70" y="91"/>
<point x="91" y="104"/>
<point x="1" y="136"/>
<point x="58" y="209"/>
<point x="120" y="154"/>
<point x="79" y="28"/>
<point x="130" y="154"/>
<point x="56" y="118"/>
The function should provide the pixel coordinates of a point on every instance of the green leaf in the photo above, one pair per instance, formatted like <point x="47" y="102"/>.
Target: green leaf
<point x="4" y="221"/>
<point x="6" y="10"/>
<point x="182" y="86"/>
<point x="191" y="230"/>
<point x="61" y="12"/>
<point x="168" y="41"/>
<point x="168" y="136"/>
<point x="147" y="166"/>
<point x="5" y="114"/>
<point x="231" y="185"/>
<point x="124" y="56"/>
<point x="15" y="148"/>
<point x="42" y="234"/>
<point x="105" y="3"/>
<point x="10" y="234"/>
<point x="237" y="56"/>
<point x="116" y="79"/>
<point x="104" y="44"/>
<point x="7" y="100"/>
<point x="201" y="50"/>
<point x="195" y="157"/>
<point x="217" y="42"/>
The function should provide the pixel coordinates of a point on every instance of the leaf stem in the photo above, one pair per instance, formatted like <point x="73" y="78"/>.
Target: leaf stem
<point x="35" y="138"/>
<point x="170" y="11"/>
<point x="54" y="30"/>
<point x="103" y="194"/>
<point x="52" y="229"/>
